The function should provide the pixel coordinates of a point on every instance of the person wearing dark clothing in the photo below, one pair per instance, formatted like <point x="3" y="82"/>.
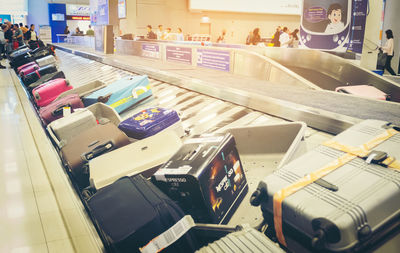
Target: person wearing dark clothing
<point x="255" y="38"/>
<point x="31" y="34"/>
<point x="66" y="30"/>
<point x="8" y="36"/>
<point x="150" y="34"/>
<point x="2" y="44"/>
<point x="277" y="36"/>
<point x="388" y="50"/>
<point x="19" y="36"/>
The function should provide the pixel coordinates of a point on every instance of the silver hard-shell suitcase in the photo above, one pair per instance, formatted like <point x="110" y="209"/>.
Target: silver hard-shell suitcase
<point x="246" y="240"/>
<point x="141" y="157"/>
<point x="46" y="61"/>
<point x="351" y="207"/>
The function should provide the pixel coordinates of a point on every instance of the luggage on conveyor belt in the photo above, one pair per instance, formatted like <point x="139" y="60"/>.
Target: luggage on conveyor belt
<point x="246" y="240"/>
<point x="121" y="94"/>
<point x="46" y="78"/>
<point x="151" y="121"/>
<point x="45" y="93"/>
<point x="367" y="91"/>
<point x="35" y="75"/>
<point x="84" y="89"/>
<point x="36" y="44"/>
<point x="19" y="52"/>
<point x="64" y="129"/>
<point x="340" y="197"/>
<point x="47" y="60"/>
<point x="55" y="109"/>
<point x="205" y="177"/>
<point x="132" y="211"/>
<point x="25" y="65"/>
<point x="104" y="113"/>
<point x="27" y="69"/>
<point x="89" y="144"/>
<point x="141" y="157"/>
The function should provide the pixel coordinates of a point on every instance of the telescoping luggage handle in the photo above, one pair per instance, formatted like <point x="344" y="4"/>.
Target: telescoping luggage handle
<point x="59" y="110"/>
<point x="365" y="152"/>
<point x="98" y="150"/>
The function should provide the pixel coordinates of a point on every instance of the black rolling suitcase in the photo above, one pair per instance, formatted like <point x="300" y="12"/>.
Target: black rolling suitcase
<point x="35" y="76"/>
<point x="342" y="196"/>
<point x="131" y="212"/>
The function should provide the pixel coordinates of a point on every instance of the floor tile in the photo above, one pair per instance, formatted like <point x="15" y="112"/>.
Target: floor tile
<point x="38" y="248"/>
<point x="46" y="201"/>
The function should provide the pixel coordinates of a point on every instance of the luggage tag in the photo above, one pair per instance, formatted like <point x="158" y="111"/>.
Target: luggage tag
<point x="66" y="111"/>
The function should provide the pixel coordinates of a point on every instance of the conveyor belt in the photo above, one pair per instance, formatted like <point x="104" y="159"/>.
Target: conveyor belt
<point x="199" y="114"/>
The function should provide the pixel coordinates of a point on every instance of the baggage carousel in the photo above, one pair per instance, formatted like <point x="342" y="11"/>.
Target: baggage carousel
<point x="208" y="108"/>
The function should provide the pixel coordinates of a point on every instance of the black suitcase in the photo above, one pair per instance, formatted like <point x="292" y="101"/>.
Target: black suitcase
<point x="45" y="79"/>
<point x="35" y="76"/>
<point x="36" y="44"/>
<point x="131" y="212"/>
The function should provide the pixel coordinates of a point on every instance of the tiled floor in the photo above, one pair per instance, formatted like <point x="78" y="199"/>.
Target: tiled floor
<point x="30" y="219"/>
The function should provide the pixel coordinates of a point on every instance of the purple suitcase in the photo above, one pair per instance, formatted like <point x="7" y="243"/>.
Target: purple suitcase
<point x="54" y="110"/>
<point x="149" y="122"/>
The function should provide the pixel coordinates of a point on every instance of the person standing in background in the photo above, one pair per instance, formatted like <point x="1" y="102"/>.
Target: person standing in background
<point x="167" y="35"/>
<point x="248" y="39"/>
<point x="179" y="35"/>
<point x="19" y="36"/>
<point x="388" y="49"/>
<point x="160" y="33"/>
<point x="66" y="30"/>
<point x="24" y="30"/>
<point x="90" y="31"/>
<point x="277" y="35"/>
<point x="8" y="35"/>
<point x="255" y="38"/>
<point x="2" y="45"/>
<point x="32" y="36"/>
<point x="221" y="38"/>
<point x="284" y="39"/>
<point x="150" y="34"/>
<point x="294" y="40"/>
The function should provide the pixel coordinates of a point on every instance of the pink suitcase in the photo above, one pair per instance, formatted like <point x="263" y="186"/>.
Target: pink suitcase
<point x="29" y="69"/>
<point x="367" y="91"/>
<point x="26" y="65"/>
<point x="45" y="93"/>
<point x="54" y="110"/>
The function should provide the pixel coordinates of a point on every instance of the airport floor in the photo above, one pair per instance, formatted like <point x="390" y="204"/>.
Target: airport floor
<point x="30" y="219"/>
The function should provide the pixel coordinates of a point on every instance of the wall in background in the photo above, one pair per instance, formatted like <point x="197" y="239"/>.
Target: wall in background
<point x="38" y="13"/>
<point x="57" y="27"/>
<point x="128" y="24"/>
<point x="391" y="21"/>
<point x="175" y="13"/>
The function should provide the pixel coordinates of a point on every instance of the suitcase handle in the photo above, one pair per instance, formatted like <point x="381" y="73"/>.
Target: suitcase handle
<point x="59" y="110"/>
<point x="98" y="150"/>
<point x="104" y="99"/>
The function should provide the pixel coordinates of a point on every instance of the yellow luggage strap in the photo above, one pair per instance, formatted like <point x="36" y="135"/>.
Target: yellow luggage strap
<point x="136" y="93"/>
<point x="351" y="153"/>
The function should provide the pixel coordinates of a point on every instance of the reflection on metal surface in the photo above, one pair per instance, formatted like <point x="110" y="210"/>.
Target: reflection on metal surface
<point x="328" y="71"/>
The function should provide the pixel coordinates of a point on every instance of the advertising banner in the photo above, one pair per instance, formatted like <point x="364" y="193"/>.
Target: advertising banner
<point x="99" y="12"/>
<point x="333" y="25"/>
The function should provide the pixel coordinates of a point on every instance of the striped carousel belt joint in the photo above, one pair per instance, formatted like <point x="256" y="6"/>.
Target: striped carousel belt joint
<point x="365" y="152"/>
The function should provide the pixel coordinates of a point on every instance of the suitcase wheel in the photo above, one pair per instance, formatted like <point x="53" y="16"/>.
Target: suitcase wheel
<point x="67" y="82"/>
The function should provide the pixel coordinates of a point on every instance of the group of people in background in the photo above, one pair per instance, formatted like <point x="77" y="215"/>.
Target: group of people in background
<point x="162" y="34"/>
<point x="78" y="32"/>
<point x="13" y="36"/>
<point x="283" y="37"/>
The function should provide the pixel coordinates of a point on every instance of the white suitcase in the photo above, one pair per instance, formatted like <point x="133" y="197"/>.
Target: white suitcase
<point x="46" y="61"/>
<point x="105" y="113"/>
<point x="65" y="128"/>
<point x="142" y="157"/>
<point x="83" y="90"/>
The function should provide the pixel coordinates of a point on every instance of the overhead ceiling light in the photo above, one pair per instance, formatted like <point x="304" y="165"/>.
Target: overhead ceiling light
<point x="205" y="19"/>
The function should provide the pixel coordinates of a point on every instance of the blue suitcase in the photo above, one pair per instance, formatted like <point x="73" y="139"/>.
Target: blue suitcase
<point x="151" y="121"/>
<point x="121" y="94"/>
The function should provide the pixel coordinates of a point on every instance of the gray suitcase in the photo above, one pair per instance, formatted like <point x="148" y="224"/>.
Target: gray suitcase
<point x="46" y="61"/>
<point x="246" y="240"/>
<point x="351" y="208"/>
<point x="64" y="129"/>
<point x="142" y="157"/>
<point x="83" y="90"/>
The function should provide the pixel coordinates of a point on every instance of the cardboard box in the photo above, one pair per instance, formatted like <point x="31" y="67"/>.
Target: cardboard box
<point x="205" y="177"/>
